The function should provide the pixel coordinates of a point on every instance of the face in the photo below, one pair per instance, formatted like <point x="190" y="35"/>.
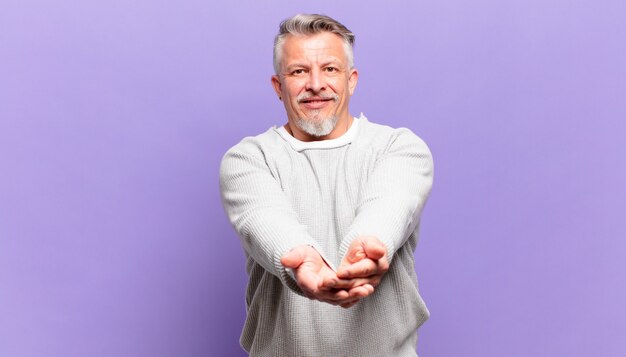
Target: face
<point x="315" y="84"/>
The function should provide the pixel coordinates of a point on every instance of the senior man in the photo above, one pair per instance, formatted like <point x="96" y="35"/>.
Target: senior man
<point x="327" y="207"/>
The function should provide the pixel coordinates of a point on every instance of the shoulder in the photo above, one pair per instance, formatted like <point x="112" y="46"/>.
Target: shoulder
<point x="255" y="154"/>
<point x="255" y="146"/>
<point x="384" y="138"/>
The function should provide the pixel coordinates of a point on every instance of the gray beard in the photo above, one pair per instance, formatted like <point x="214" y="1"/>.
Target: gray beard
<point x="317" y="128"/>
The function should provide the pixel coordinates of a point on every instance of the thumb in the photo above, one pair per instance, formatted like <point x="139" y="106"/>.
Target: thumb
<point x="374" y="249"/>
<point x="292" y="259"/>
<point x="355" y="253"/>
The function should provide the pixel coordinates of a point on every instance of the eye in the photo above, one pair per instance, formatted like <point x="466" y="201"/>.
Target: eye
<point x="298" y="71"/>
<point x="331" y="69"/>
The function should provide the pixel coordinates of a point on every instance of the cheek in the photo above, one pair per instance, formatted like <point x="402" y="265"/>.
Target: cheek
<point x="338" y="85"/>
<point x="293" y="88"/>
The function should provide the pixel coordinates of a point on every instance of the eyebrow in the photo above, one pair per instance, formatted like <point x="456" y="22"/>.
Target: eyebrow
<point x="335" y="62"/>
<point x="296" y="65"/>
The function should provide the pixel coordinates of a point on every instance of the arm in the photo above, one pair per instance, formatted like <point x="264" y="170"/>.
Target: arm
<point x="259" y="211"/>
<point x="270" y="231"/>
<point x="390" y="204"/>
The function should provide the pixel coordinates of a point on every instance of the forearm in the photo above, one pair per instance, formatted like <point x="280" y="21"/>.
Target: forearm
<point x="391" y="203"/>
<point x="259" y="211"/>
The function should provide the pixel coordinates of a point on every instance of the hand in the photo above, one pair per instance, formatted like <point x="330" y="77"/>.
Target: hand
<point x="365" y="264"/>
<point x="316" y="279"/>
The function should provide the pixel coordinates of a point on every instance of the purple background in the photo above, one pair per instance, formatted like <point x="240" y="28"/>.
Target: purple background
<point x="114" y="116"/>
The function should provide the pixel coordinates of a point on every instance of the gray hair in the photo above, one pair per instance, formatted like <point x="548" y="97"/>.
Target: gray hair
<point x="311" y="24"/>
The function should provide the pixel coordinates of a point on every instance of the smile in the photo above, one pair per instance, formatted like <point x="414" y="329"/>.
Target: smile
<point x="315" y="102"/>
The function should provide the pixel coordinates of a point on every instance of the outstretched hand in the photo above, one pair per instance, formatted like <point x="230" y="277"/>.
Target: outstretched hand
<point x="319" y="282"/>
<point x="365" y="263"/>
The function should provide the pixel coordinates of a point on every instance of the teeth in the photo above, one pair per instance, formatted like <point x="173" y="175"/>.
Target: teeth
<point x="314" y="100"/>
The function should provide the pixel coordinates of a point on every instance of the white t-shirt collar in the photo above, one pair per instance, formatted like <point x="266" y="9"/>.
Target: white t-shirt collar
<point x="344" y="139"/>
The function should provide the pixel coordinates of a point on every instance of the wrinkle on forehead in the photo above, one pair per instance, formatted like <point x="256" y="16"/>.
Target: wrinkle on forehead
<point x="321" y="48"/>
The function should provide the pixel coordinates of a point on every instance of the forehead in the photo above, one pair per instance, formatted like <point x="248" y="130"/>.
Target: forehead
<point x="324" y="45"/>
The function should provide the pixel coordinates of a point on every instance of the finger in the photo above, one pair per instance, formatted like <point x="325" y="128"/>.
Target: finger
<point x="375" y="280"/>
<point x="355" y="252"/>
<point x="361" y="291"/>
<point x="347" y="300"/>
<point x="349" y="304"/>
<point x="340" y="295"/>
<point x="374" y="249"/>
<point x="369" y="288"/>
<point x="346" y="283"/>
<point x="292" y="259"/>
<point x="358" y="292"/>
<point x="335" y="298"/>
<point x="330" y="283"/>
<point x="332" y="294"/>
<point x="360" y="269"/>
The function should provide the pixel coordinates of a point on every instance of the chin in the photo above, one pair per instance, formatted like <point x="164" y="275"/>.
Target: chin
<point x="317" y="127"/>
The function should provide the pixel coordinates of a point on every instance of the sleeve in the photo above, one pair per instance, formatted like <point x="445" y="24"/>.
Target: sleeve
<point x="259" y="210"/>
<point x="395" y="193"/>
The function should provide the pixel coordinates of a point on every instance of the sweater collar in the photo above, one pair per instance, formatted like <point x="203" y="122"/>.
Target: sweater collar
<point x="345" y="139"/>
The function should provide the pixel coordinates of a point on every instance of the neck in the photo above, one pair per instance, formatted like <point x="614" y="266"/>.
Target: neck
<point x="341" y="128"/>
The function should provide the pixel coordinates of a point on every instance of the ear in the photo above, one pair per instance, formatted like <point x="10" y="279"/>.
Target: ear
<point x="352" y="79"/>
<point x="277" y="85"/>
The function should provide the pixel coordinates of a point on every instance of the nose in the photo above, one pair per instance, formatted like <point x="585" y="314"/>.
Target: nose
<point x="315" y="81"/>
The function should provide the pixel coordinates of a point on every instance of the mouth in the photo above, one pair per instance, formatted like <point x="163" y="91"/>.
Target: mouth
<point x="315" y="102"/>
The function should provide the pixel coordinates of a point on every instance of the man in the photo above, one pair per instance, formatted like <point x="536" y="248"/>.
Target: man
<point x="327" y="208"/>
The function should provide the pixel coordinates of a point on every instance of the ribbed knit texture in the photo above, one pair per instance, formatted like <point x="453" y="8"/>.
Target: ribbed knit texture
<point x="280" y="193"/>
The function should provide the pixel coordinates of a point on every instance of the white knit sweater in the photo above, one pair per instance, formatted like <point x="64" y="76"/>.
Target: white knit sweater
<point x="280" y="192"/>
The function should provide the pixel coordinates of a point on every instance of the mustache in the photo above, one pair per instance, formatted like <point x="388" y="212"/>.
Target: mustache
<point x="307" y="95"/>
